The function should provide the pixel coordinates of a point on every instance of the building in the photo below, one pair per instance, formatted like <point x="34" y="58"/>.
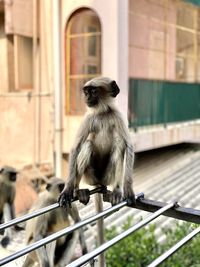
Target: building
<point x="150" y="47"/>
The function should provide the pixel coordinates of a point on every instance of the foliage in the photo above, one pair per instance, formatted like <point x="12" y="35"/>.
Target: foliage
<point x="142" y="247"/>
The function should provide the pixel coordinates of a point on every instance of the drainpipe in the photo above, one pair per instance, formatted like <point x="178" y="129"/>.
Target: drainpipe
<point x="57" y="88"/>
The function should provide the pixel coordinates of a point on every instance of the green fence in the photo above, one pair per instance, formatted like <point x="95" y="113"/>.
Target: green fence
<point x="158" y="102"/>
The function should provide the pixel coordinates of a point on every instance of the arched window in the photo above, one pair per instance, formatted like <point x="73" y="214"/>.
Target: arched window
<point x="83" y="56"/>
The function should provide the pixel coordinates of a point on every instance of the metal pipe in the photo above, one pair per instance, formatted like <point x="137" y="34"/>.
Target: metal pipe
<point x="41" y="211"/>
<point x="57" y="88"/>
<point x="100" y="228"/>
<point x="61" y="233"/>
<point x="180" y="213"/>
<point x="173" y="249"/>
<point x="87" y="257"/>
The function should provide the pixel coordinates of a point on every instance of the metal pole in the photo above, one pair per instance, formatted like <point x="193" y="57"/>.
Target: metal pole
<point x="87" y="257"/>
<point x="173" y="249"/>
<point x="57" y="88"/>
<point x="100" y="228"/>
<point x="41" y="211"/>
<point x="61" y="233"/>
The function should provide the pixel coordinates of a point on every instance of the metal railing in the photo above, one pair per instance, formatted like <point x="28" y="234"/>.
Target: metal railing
<point x="158" y="208"/>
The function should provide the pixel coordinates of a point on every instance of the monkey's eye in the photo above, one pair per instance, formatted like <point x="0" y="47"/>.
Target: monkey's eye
<point x="85" y="91"/>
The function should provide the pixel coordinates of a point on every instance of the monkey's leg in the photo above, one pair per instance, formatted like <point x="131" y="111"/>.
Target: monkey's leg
<point x="128" y="175"/>
<point x="65" y="251"/>
<point x="28" y="262"/>
<point x="42" y="255"/>
<point x="50" y="248"/>
<point x="114" y="176"/>
<point x="7" y="214"/>
<point x="83" y="164"/>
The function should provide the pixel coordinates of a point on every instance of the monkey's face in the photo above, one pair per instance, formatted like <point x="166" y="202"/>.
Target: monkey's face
<point x="55" y="186"/>
<point x="9" y="173"/>
<point x="100" y="90"/>
<point x="91" y="94"/>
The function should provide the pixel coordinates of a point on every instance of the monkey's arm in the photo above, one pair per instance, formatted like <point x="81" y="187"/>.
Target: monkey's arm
<point x="128" y="174"/>
<point x="75" y="216"/>
<point x="73" y="179"/>
<point x="7" y="214"/>
<point x="38" y="234"/>
<point x="128" y="162"/>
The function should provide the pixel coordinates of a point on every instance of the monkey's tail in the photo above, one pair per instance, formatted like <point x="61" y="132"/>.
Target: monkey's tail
<point x="84" y="156"/>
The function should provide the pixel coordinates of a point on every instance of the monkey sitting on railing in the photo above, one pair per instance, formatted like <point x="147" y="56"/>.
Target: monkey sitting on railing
<point x="103" y="152"/>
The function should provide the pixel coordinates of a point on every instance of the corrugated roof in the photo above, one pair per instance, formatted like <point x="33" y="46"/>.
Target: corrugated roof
<point x="163" y="174"/>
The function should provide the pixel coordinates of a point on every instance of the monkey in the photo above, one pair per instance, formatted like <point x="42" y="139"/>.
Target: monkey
<point x="59" y="252"/>
<point x="103" y="152"/>
<point x="8" y="176"/>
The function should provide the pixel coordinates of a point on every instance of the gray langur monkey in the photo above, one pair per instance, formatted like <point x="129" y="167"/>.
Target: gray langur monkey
<point x="8" y="176"/>
<point x="60" y="252"/>
<point x="103" y="152"/>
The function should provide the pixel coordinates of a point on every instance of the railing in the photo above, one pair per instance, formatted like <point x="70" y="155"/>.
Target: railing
<point x="158" y="208"/>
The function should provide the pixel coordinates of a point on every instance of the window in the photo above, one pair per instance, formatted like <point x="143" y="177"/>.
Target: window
<point x="83" y="56"/>
<point x="24" y="62"/>
<point x="164" y="40"/>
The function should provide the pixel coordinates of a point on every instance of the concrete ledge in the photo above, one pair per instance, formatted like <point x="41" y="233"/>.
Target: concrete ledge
<point x="151" y="137"/>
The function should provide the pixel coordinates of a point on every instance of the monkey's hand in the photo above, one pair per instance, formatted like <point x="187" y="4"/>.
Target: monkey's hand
<point x="83" y="195"/>
<point x="66" y="197"/>
<point x="129" y="195"/>
<point x="117" y="196"/>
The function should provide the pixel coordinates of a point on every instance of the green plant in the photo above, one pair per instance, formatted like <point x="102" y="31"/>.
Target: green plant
<point x="142" y="247"/>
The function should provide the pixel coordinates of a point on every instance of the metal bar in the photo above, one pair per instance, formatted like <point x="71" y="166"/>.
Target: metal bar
<point x="58" y="127"/>
<point x="41" y="211"/>
<point x="100" y="228"/>
<point x="173" y="249"/>
<point x="180" y="213"/>
<point x="87" y="257"/>
<point x="61" y="233"/>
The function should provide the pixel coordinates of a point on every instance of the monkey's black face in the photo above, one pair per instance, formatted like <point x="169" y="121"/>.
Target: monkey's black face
<point x="13" y="176"/>
<point x="9" y="173"/>
<point x="91" y="94"/>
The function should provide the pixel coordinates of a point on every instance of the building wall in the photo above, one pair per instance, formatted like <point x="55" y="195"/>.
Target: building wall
<point x="3" y="57"/>
<point x="26" y="114"/>
<point x="114" y="24"/>
<point x="163" y="72"/>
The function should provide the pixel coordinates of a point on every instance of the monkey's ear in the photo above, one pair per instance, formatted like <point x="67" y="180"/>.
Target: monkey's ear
<point x="115" y="89"/>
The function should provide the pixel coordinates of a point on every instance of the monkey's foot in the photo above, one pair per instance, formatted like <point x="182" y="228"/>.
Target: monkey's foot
<point x="83" y="195"/>
<point x="5" y="241"/>
<point x="107" y="196"/>
<point x="129" y="196"/>
<point x="116" y="196"/>
<point x="66" y="198"/>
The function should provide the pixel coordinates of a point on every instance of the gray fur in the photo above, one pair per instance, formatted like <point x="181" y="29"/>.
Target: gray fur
<point x="7" y="195"/>
<point x="48" y="223"/>
<point x="103" y="145"/>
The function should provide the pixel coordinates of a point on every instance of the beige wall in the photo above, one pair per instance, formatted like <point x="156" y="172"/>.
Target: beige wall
<point x="3" y="56"/>
<point x="18" y="125"/>
<point x="148" y="40"/>
<point x="26" y="115"/>
<point x="114" y="23"/>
